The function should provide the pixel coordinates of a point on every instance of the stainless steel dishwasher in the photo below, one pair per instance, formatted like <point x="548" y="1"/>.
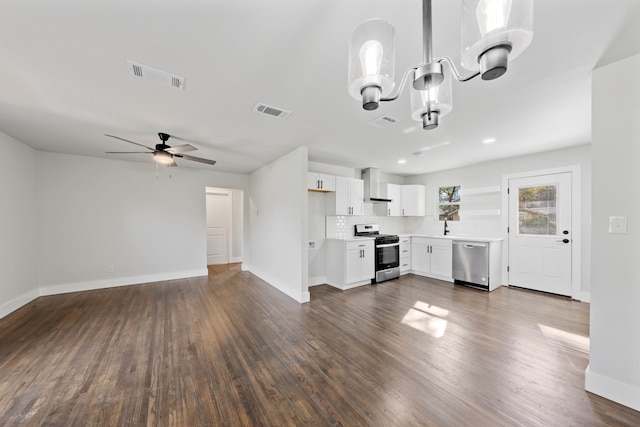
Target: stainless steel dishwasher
<point x="471" y="263"/>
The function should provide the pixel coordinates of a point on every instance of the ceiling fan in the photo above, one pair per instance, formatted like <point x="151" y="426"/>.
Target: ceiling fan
<point x="163" y="153"/>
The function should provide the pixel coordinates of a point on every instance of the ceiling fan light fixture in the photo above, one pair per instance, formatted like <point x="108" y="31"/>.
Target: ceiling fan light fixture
<point x="163" y="157"/>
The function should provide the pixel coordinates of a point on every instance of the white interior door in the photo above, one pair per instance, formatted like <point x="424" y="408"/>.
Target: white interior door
<point x="218" y="227"/>
<point x="540" y="239"/>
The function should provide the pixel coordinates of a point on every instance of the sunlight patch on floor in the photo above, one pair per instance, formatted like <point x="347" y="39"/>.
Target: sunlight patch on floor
<point x="567" y="339"/>
<point x="427" y="318"/>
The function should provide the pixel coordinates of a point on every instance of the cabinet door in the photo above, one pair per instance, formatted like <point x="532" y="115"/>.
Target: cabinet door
<point x="313" y="181"/>
<point x="321" y="182"/>
<point x="394" y="208"/>
<point x="442" y="261"/>
<point x="342" y="196"/>
<point x="368" y="263"/>
<point x="356" y="196"/>
<point x="327" y="182"/>
<point x="353" y="266"/>
<point x="413" y="198"/>
<point x="420" y="258"/>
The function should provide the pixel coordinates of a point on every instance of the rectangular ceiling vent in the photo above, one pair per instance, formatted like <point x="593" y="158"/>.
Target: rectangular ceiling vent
<point x="271" y="111"/>
<point x="382" y="122"/>
<point x="156" y="76"/>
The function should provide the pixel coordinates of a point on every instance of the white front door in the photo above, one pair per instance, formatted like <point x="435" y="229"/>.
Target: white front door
<point x="218" y="224"/>
<point x="540" y="234"/>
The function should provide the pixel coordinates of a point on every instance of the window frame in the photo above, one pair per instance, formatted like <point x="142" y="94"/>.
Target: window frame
<point x="458" y="203"/>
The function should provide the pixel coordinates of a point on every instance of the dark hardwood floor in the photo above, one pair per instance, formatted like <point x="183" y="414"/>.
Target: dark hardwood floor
<point x="232" y="351"/>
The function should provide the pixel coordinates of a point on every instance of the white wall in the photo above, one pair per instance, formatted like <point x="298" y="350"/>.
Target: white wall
<point x="18" y="228"/>
<point x="93" y="213"/>
<point x="490" y="174"/>
<point x="279" y="229"/>
<point x="614" y="365"/>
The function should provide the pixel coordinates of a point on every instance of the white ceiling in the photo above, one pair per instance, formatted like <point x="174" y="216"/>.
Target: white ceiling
<point x="65" y="83"/>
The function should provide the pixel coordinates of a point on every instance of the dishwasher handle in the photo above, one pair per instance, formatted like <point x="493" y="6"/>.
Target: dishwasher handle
<point x="471" y="245"/>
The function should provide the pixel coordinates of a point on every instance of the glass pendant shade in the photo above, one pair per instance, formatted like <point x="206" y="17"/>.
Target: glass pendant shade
<point x="371" y="57"/>
<point x="487" y="24"/>
<point x="438" y="99"/>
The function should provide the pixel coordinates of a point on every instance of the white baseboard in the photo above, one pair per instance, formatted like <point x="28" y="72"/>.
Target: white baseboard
<point x="233" y="260"/>
<point x="622" y="393"/>
<point x="318" y="280"/>
<point x="24" y="299"/>
<point x="585" y="297"/>
<point x="301" y="297"/>
<point x="120" y="281"/>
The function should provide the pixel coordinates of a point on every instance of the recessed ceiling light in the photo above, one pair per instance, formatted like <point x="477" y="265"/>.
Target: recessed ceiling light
<point x="488" y="141"/>
<point x="402" y="161"/>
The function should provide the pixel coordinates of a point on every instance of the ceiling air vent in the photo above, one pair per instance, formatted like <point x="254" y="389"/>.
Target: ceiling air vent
<point x="271" y="111"/>
<point x="382" y="122"/>
<point x="156" y="76"/>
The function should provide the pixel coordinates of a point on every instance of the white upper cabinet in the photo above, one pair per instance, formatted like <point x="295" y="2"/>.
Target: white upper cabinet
<point x="406" y="200"/>
<point x="394" y="208"/>
<point x="321" y="182"/>
<point x="349" y="196"/>
<point x="413" y="198"/>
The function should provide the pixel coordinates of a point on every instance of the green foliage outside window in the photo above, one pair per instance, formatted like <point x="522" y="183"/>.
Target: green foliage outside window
<point x="537" y="210"/>
<point x="449" y="203"/>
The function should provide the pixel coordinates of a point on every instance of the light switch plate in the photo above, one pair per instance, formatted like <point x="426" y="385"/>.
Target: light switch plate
<point x="618" y="224"/>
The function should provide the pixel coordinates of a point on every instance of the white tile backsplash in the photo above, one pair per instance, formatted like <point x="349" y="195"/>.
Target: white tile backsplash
<point x="340" y="226"/>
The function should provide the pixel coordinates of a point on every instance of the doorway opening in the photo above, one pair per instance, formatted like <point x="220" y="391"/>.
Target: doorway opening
<point x="224" y="208"/>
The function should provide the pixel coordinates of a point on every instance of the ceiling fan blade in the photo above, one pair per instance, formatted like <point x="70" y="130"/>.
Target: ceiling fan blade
<point x="196" y="159"/>
<point x="126" y="140"/>
<point x="181" y="148"/>
<point x="128" y="152"/>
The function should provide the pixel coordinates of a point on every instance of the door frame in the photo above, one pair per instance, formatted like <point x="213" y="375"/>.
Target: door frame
<point x="212" y="191"/>
<point x="576" y="224"/>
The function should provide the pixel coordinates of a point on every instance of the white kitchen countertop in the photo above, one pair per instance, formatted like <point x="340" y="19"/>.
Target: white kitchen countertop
<point x="454" y="237"/>
<point x="450" y="237"/>
<point x="350" y="239"/>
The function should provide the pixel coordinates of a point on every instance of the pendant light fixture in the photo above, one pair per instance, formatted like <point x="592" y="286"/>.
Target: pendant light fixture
<point x="493" y="33"/>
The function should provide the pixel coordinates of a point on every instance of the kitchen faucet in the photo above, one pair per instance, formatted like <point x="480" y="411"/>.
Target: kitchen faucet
<point x="446" y="229"/>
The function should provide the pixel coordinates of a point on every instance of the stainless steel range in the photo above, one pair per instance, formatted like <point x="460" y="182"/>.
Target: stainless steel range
<point x="387" y="251"/>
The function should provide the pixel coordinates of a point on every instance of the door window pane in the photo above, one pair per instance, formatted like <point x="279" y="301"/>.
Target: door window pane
<point x="537" y="210"/>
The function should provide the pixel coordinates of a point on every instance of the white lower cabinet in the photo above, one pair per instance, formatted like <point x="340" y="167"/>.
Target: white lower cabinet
<point x="432" y="258"/>
<point x="405" y="255"/>
<point x="350" y="263"/>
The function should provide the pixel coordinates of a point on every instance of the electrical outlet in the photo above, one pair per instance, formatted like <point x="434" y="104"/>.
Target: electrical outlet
<point x="111" y="268"/>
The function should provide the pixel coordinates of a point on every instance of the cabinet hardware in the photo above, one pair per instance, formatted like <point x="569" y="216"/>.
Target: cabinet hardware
<point x="318" y="184"/>
<point x="321" y="184"/>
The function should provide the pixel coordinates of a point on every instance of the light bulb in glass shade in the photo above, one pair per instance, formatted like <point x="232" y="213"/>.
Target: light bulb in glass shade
<point x="494" y="32"/>
<point x="493" y="15"/>
<point x="371" y="58"/>
<point x="437" y="99"/>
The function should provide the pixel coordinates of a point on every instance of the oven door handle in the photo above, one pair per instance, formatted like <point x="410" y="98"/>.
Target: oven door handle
<point x="388" y="245"/>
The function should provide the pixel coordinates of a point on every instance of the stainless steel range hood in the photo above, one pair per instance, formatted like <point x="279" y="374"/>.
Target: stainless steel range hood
<point x="373" y="191"/>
